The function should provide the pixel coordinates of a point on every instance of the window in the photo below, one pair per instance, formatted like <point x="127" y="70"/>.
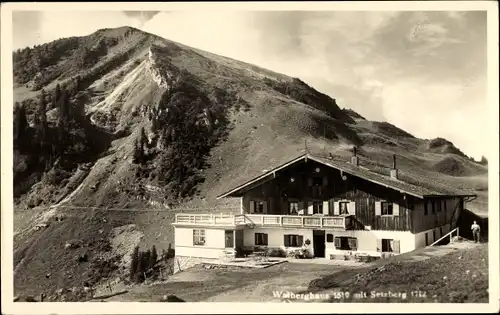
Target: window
<point x="438" y="206"/>
<point x="346" y="243"/>
<point x="329" y="238"/>
<point x="261" y="239"/>
<point x="425" y="208"/>
<point x="433" y="205"/>
<point x="293" y="207"/>
<point x="317" y="207"/>
<point x="386" y="208"/>
<point x="343" y="206"/>
<point x="199" y="237"/>
<point x="291" y="240"/>
<point x="387" y="245"/>
<point x="317" y="181"/>
<point x="229" y="236"/>
<point x="259" y="207"/>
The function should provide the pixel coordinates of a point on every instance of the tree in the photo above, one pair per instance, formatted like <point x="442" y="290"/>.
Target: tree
<point x="154" y="257"/>
<point x="20" y="126"/>
<point x="141" y="268"/>
<point x="147" y="260"/>
<point x="41" y="120"/>
<point x="137" y="152"/>
<point x="56" y="96"/>
<point x="63" y="105"/>
<point x="134" y="264"/>
<point x="484" y="160"/>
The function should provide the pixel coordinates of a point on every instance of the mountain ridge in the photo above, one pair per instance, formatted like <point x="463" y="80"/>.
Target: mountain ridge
<point x="159" y="125"/>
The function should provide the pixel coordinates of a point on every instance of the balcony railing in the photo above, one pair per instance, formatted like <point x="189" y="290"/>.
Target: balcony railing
<point x="266" y="220"/>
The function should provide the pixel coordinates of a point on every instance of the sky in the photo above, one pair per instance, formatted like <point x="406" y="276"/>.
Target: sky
<point x="424" y="72"/>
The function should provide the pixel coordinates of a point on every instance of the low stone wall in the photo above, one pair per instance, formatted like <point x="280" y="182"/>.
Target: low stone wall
<point x="182" y="263"/>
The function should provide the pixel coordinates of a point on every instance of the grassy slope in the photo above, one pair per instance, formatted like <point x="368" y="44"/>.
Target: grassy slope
<point x="458" y="277"/>
<point x="271" y="132"/>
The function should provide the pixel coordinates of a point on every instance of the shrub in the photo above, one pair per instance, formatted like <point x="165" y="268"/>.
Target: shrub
<point x="277" y="252"/>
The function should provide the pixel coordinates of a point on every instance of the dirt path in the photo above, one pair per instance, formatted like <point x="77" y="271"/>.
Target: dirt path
<point x="198" y="284"/>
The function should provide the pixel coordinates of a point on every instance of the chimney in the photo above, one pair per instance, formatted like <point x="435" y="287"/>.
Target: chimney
<point x="354" y="158"/>
<point x="394" y="170"/>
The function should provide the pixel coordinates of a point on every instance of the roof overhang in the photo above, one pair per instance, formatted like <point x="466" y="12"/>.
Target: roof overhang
<point x="272" y="173"/>
<point x="262" y="178"/>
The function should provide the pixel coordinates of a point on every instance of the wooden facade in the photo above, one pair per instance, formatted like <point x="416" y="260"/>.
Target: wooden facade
<point x="317" y="188"/>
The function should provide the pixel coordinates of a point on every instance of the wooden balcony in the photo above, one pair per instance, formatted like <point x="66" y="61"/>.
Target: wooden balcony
<point x="265" y="220"/>
<point x="343" y="222"/>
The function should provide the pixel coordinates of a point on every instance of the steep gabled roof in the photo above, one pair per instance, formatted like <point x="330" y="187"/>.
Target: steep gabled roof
<point x="405" y="186"/>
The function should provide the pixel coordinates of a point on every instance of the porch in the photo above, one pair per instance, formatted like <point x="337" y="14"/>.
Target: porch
<point x="344" y="221"/>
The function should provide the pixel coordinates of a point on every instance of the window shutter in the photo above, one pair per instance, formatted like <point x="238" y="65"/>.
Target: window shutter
<point x="337" y="242"/>
<point x="395" y="209"/>
<point x="255" y="238"/>
<point x="336" y="210"/>
<point x="309" y="182"/>
<point x="301" y="206"/>
<point x="265" y="239"/>
<point x="264" y="206"/>
<point x="325" y="208"/>
<point x="378" y="208"/>
<point x="300" y="240"/>
<point x="325" y="181"/>
<point x="286" y="241"/>
<point x="379" y="245"/>
<point x="351" y="208"/>
<point x="395" y="246"/>
<point x="310" y="209"/>
<point x="252" y="206"/>
<point x="353" y="243"/>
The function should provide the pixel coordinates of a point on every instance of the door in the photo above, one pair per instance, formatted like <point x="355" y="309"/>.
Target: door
<point x="426" y="239"/>
<point x="319" y="243"/>
<point x="229" y="235"/>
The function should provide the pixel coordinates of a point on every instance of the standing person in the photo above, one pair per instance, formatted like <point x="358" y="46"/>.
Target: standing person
<point x="476" y="231"/>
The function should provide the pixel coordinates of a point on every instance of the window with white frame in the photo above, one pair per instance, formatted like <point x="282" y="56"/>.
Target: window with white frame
<point x="346" y="243"/>
<point x="291" y="240"/>
<point x="199" y="237"/>
<point x="344" y="207"/>
<point x="386" y="208"/>
<point x="261" y="239"/>
<point x="389" y="245"/>
<point x="293" y="207"/>
<point x="317" y="207"/>
<point x="259" y="207"/>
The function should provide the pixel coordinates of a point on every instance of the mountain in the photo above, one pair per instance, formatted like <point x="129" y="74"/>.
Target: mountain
<point x="110" y="126"/>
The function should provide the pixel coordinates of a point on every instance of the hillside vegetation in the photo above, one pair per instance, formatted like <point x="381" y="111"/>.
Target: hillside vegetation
<point x="120" y="121"/>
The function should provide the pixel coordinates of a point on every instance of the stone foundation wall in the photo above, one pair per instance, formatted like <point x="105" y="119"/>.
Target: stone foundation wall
<point x="182" y="263"/>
